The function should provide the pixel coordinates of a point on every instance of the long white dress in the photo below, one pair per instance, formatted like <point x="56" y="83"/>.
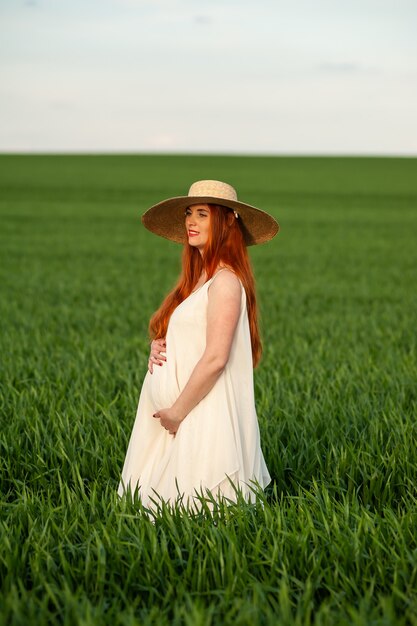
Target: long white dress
<point x="218" y="442"/>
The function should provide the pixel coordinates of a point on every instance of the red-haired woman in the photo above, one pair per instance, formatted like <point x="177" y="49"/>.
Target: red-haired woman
<point x="196" y="426"/>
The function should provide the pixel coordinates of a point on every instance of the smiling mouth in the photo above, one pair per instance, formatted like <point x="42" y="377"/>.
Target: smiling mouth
<point x="192" y="233"/>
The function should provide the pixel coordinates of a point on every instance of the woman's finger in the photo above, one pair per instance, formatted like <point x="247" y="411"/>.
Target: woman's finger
<point x="158" y="355"/>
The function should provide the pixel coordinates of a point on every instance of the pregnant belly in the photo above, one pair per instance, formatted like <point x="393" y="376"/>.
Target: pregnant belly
<point x="163" y="385"/>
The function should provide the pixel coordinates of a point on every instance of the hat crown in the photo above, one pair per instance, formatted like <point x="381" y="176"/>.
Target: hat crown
<point x="213" y="188"/>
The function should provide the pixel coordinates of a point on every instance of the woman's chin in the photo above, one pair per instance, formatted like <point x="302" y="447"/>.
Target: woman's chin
<point x="195" y="244"/>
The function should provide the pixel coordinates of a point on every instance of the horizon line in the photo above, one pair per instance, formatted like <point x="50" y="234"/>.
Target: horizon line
<point x="211" y="154"/>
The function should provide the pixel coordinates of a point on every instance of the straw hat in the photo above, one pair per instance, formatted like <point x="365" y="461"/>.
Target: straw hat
<point x="167" y="217"/>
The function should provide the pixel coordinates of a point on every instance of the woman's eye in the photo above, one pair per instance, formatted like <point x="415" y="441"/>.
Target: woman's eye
<point x="188" y="212"/>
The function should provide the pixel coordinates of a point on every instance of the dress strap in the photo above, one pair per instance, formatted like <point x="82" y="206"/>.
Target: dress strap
<point x="209" y="281"/>
<point x="213" y="277"/>
<point x="220" y="270"/>
<point x="224" y="268"/>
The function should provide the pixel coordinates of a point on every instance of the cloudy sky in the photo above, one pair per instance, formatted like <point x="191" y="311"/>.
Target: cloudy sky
<point x="219" y="76"/>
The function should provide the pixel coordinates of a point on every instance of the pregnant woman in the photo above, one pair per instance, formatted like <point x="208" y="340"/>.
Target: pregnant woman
<point x="196" y="426"/>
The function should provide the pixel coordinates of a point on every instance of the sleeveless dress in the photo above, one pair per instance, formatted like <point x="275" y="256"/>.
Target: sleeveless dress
<point x="218" y="442"/>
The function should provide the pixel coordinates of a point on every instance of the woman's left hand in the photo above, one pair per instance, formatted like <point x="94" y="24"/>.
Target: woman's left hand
<point x="169" y="420"/>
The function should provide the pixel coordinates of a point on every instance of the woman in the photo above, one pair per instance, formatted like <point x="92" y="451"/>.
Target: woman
<point x="196" y="426"/>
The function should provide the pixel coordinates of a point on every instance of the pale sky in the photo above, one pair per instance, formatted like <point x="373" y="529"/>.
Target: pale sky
<point x="220" y="76"/>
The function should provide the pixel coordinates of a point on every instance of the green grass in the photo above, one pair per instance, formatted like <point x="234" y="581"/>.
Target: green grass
<point x="334" y="538"/>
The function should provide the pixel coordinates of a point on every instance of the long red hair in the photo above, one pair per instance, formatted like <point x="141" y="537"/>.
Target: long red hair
<point x="226" y="246"/>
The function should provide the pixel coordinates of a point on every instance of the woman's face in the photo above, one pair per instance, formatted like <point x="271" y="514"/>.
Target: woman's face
<point x="197" y="224"/>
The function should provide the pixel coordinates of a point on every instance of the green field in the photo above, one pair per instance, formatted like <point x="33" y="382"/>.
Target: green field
<point x="333" y="541"/>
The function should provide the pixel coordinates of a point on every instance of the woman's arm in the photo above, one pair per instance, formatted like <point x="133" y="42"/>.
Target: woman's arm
<point x="223" y="310"/>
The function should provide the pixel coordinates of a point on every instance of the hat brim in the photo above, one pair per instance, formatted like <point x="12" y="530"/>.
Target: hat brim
<point x="166" y="219"/>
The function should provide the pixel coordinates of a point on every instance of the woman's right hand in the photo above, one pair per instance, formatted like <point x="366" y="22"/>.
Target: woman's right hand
<point x="155" y="357"/>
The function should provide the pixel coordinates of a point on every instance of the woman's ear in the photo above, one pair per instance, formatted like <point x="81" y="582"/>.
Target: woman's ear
<point x="230" y="218"/>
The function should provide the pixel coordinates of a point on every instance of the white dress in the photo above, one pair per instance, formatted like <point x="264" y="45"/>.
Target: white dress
<point x="218" y="439"/>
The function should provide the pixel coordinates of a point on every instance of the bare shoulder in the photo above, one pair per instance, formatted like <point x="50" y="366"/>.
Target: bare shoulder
<point x="225" y="282"/>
